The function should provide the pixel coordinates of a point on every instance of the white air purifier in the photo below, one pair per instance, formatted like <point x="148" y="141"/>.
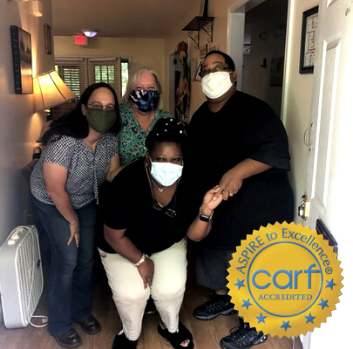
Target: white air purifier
<point x="21" y="276"/>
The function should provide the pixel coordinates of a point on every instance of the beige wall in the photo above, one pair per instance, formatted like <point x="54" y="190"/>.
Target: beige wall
<point x="19" y="126"/>
<point x="142" y="52"/>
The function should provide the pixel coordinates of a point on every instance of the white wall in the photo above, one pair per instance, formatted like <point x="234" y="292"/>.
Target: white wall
<point x="19" y="126"/>
<point x="297" y="92"/>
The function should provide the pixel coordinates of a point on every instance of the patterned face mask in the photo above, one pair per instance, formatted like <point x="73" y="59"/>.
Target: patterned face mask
<point x="145" y="100"/>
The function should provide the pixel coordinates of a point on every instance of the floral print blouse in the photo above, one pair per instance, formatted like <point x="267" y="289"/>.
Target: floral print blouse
<point x="131" y="136"/>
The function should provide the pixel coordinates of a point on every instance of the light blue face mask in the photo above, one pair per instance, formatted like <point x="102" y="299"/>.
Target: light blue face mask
<point x="145" y="100"/>
<point x="166" y="173"/>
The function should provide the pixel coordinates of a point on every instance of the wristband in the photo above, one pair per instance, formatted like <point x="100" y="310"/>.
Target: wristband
<point x="205" y="218"/>
<point x="142" y="259"/>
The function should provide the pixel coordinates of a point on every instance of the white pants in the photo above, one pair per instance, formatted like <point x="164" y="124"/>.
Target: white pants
<point x="167" y="290"/>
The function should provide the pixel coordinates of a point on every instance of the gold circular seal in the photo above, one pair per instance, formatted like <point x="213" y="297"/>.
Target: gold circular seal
<point x="284" y="279"/>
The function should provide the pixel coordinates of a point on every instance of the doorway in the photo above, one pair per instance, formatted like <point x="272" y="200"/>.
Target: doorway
<point x="257" y="44"/>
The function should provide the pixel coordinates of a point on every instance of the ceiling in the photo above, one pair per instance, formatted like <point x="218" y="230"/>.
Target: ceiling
<point x="123" y="18"/>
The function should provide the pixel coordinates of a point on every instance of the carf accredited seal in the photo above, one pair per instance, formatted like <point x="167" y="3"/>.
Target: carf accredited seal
<point x="284" y="279"/>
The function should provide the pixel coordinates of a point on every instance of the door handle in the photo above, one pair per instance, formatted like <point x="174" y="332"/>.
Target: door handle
<point x="307" y="137"/>
<point x="303" y="208"/>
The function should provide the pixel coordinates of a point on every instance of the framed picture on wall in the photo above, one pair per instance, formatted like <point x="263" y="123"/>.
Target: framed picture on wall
<point x="309" y="36"/>
<point x="22" y="60"/>
<point x="198" y="71"/>
<point x="47" y="39"/>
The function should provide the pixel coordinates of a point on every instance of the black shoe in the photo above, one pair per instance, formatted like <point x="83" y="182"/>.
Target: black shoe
<point x="90" y="325"/>
<point x="175" y="339"/>
<point x="122" y="342"/>
<point x="216" y="305"/>
<point x="150" y="307"/>
<point x="243" y="338"/>
<point x="69" y="339"/>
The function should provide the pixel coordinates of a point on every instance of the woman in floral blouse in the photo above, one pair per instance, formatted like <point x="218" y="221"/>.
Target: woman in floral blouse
<point x="139" y="112"/>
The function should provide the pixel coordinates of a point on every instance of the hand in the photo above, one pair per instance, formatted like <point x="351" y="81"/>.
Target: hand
<point x="74" y="233"/>
<point x="146" y="270"/>
<point x="230" y="184"/>
<point x="211" y="200"/>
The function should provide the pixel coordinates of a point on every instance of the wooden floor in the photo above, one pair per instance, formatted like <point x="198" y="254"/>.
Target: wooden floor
<point x="207" y="334"/>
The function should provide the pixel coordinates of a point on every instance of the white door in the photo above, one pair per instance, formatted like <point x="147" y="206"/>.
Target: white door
<point x="330" y="174"/>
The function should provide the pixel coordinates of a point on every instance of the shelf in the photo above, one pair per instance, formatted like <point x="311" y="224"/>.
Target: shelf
<point x="203" y="23"/>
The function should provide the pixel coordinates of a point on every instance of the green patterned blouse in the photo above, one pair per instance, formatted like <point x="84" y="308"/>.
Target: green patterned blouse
<point x="131" y="136"/>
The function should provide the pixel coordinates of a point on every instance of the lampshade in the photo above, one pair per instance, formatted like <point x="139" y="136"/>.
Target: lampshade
<point x="50" y="90"/>
<point x="89" y="33"/>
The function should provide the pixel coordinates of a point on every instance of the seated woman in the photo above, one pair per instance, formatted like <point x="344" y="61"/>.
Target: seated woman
<point x="148" y="214"/>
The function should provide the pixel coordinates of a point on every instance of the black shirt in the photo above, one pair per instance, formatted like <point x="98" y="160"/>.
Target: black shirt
<point x="245" y="127"/>
<point x="128" y="205"/>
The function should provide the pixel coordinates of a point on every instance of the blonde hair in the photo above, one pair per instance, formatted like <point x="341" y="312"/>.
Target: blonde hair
<point x="132" y="83"/>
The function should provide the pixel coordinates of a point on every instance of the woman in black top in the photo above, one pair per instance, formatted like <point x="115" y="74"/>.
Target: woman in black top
<point x="148" y="213"/>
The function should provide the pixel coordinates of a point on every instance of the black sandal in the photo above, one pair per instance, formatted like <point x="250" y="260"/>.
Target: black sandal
<point x="121" y="341"/>
<point x="175" y="339"/>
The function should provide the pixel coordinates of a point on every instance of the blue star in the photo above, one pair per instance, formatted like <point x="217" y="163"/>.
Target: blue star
<point x="309" y="318"/>
<point x="261" y="318"/>
<point x="239" y="283"/>
<point x="330" y="284"/>
<point x="323" y="303"/>
<point x="246" y="303"/>
<point x="285" y="325"/>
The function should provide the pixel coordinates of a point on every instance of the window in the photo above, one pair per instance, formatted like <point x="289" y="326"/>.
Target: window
<point x="73" y="73"/>
<point x="124" y="75"/>
<point x="79" y="73"/>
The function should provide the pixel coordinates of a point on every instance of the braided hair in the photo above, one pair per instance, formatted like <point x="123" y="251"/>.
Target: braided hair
<point x="166" y="131"/>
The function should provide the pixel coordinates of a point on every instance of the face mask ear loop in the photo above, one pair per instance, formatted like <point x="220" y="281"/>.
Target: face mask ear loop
<point x="150" y="181"/>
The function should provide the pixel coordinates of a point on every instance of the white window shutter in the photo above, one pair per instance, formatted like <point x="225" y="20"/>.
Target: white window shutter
<point x="73" y="72"/>
<point x="105" y="70"/>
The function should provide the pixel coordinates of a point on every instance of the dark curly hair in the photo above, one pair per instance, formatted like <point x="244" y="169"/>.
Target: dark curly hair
<point x="166" y="131"/>
<point x="74" y="124"/>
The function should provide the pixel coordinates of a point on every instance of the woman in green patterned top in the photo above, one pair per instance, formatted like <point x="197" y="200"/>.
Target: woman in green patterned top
<point x="139" y="112"/>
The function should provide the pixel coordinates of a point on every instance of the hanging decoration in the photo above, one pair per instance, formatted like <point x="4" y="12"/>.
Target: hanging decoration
<point x="182" y="104"/>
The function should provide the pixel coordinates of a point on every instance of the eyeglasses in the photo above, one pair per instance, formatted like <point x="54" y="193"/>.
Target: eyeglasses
<point x="217" y="69"/>
<point x="99" y="106"/>
<point x="168" y="211"/>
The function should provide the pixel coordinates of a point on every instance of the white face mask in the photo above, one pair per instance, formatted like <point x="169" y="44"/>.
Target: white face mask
<point x="215" y="85"/>
<point x="165" y="173"/>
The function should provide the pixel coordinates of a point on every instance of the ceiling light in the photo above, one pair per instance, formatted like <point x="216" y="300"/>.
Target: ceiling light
<point x="89" y="33"/>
